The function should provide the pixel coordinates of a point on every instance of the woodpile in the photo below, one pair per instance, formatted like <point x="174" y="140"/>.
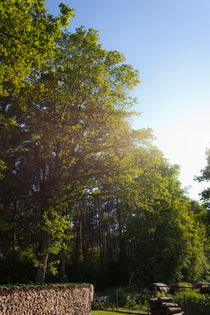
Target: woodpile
<point x="164" y="306"/>
<point x="46" y="299"/>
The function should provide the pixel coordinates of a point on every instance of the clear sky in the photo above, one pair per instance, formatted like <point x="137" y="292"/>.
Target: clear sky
<point x="168" y="41"/>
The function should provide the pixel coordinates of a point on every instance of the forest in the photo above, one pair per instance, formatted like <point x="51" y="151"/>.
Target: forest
<point x="83" y="196"/>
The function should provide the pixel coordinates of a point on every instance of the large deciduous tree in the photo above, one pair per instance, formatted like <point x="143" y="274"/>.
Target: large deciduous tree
<point x="27" y="44"/>
<point x="73" y="131"/>
<point x="72" y="167"/>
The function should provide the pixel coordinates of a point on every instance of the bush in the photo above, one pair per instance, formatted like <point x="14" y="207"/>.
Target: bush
<point x="137" y="302"/>
<point x="130" y="298"/>
<point x="192" y="302"/>
<point x="118" y="295"/>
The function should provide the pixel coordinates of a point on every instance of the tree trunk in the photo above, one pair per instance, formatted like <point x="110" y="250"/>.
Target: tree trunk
<point x="14" y="241"/>
<point x="41" y="272"/>
<point x="62" y="271"/>
<point x="121" y="241"/>
<point x="99" y="235"/>
<point x="77" y="249"/>
<point x="83" y="219"/>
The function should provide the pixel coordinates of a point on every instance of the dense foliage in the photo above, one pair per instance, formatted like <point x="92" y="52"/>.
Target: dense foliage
<point x="28" y="36"/>
<point x="84" y="197"/>
<point x="193" y="302"/>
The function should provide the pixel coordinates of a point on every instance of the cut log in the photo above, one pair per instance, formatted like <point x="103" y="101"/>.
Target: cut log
<point x="174" y="310"/>
<point x="162" y="299"/>
<point x="167" y="305"/>
<point x="153" y="303"/>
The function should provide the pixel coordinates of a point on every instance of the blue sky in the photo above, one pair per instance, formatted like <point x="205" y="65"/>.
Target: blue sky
<point x="168" y="41"/>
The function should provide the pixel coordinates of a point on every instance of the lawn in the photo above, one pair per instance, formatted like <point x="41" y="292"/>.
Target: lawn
<point x="105" y="313"/>
<point x="116" y="313"/>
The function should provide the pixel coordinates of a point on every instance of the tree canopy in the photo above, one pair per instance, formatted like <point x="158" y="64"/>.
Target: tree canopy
<point x="205" y="195"/>
<point x="79" y="187"/>
<point x="28" y="36"/>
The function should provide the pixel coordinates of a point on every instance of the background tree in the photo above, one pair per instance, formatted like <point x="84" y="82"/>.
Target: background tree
<point x="143" y="222"/>
<point x="204" y="216"/>
<point x="205" y="195"/>
<point x="158" y="229"/>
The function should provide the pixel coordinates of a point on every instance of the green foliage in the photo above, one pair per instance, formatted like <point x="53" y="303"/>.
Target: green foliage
<point x="56" y="226"/>
<point x="28" y="42"/>
<point x="205" y="195"/>
<point x="186" y="284"/>
<point x="203" y="217"/>
<point x="136" y="301"/>
<point x="157" y="227"/>
<point x="68" y="125"/>
<point x="129" y="298"/>
<point x="77" y="184"/>
<point x="28" y="36"/>
<point x="192" y="302"/>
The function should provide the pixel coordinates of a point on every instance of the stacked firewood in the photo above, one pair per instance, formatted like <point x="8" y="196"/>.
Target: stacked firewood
<point x="164" y="306"/>
<point x="46" y="300"/>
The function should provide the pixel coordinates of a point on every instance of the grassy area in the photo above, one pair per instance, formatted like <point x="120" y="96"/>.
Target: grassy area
<point x="132" y="311"/>
<point x="104" y="313"/>
<point x="116" y="313"/>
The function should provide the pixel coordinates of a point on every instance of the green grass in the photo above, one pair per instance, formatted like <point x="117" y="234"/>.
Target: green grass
<point x="132" y="311"/>
<point x="105" y="313"/>
<point x="115" y="313"/>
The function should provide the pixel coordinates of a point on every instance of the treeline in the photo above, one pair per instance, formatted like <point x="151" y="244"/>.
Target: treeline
<point x="84" y="197"/>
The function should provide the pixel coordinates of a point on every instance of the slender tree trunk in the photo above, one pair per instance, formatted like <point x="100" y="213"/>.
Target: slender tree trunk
<point x="62" y="271"/>
<point x="83" y="219"/>
<point x="100" y="243"/>
<point x="77" y="248"/>
<point x="14" y="240"/>
<point x="121" y="247"/>
<point x="41" y="272"/>
<point x="99" y="235"/>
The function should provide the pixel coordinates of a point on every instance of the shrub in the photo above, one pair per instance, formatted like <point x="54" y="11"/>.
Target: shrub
<point x="137" y="302"/>
<point x="192" y="302"/>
